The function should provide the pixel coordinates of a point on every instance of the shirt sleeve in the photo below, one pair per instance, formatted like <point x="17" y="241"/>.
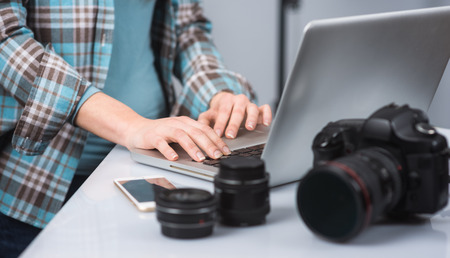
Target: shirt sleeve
<point x="87" y="94"/>
<point x="198" y="64"/>
<point x="45" y="88"/>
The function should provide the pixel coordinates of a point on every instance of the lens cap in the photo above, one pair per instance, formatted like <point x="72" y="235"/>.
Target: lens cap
<point x="241" y="169"/>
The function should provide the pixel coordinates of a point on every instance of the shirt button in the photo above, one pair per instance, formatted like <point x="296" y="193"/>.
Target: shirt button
<point x="103" y="40"/>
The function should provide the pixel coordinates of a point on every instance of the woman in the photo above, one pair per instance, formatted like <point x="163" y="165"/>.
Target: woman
<point x="71" y="89"/>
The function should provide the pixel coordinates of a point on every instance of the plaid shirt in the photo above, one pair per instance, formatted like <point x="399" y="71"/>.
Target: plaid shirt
<point x="50" y="55"/>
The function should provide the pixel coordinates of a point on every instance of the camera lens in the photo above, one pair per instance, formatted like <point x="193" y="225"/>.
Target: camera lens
<point x="186" y="212"/>
<point x="242" y="191"/>
<point x="339" y="198"/>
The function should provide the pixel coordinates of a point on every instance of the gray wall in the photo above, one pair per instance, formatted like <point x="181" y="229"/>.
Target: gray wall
<point x="245" y="32"/>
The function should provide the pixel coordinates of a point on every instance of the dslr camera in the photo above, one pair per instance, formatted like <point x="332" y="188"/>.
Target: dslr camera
<point x="392" y="164"/>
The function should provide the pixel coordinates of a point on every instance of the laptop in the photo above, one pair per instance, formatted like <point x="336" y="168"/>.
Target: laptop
<point x="345" y="68"/>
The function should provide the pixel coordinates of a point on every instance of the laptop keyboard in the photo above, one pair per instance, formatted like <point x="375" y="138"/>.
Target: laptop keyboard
<point x="252" y="151"/>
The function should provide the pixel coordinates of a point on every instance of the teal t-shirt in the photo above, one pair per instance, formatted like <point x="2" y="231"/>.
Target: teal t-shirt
<point x="132" y="78"/>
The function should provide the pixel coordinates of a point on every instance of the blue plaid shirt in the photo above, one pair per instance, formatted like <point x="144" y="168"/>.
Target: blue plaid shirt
<point x="51" y="55"/>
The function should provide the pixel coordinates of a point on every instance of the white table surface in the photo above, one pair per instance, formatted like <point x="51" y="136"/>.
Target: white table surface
<point x="98" y="221"/>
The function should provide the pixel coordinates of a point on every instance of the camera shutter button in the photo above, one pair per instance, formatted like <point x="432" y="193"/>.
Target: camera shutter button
<point x="425" y="128"/>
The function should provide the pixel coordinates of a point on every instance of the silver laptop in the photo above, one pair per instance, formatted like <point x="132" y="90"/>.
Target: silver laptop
<point x="345" y="68"/>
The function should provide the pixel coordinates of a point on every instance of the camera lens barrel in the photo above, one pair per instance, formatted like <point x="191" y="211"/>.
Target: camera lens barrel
<point x="242" y="190"/>
<point x="338" y="199"/>
<point x="186" y="212"/>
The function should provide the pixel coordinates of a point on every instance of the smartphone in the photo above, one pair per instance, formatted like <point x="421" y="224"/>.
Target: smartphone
<point x="141" y="190"/>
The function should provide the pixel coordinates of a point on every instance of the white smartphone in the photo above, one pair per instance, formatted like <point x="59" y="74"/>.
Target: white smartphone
<point x="141" y="190"/>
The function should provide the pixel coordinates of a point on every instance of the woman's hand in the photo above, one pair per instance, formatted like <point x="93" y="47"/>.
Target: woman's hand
<point x="190" y="134"/>
<point x="116" y="122"/>
<point x="228" y="111"/>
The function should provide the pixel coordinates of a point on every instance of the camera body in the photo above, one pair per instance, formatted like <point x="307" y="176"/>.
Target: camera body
<point x="404" y="135"/>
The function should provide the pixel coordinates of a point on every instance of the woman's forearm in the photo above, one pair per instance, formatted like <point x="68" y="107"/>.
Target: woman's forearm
<point x="107" y="117"/>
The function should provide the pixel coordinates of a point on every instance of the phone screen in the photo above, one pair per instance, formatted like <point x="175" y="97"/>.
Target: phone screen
<point x="141" y="191"/>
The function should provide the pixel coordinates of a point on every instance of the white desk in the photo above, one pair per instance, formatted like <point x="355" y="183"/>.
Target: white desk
<point x="100" y="222"/>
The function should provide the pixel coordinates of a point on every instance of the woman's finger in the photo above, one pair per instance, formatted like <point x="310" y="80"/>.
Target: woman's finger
<point x="265" y="115"/>
<point x="252" y="116"/>
<point x="237" y="116"/>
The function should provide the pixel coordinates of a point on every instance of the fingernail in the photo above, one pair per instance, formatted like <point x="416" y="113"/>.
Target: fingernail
<point x="266" y="122"/>
<point x="174" y="156"/>
<point x="200" y="156"/>
<point x="251" y="125"/>
<point x="218" y="154"/>
<point x="218" y="132"/>
<point x="230" y="134"/>
<point x="226" y="150"/>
